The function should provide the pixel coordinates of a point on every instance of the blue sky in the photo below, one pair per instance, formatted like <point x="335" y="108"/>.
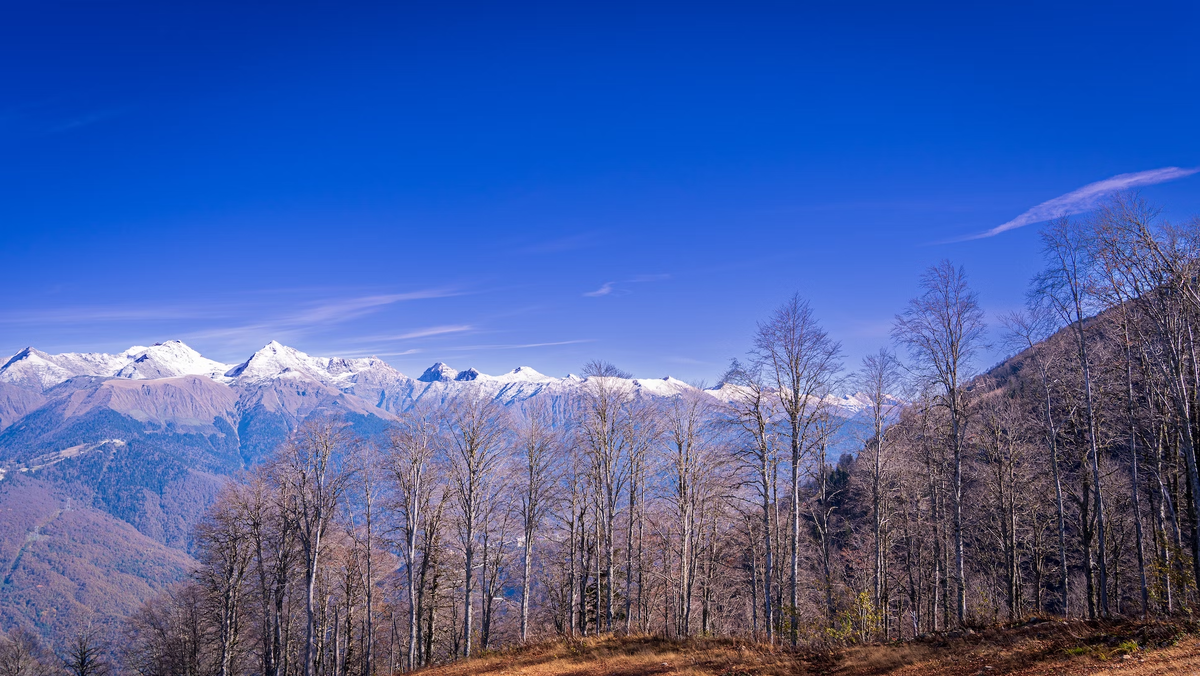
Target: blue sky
<point x="543" y="184"/>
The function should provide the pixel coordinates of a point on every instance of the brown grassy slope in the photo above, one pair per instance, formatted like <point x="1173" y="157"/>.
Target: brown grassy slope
<point x="1037" y="649"/>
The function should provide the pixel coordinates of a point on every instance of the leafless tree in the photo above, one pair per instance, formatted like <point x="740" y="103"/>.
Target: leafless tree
<point x="478" y="428"/>
<point x="85" y="655"/>
<point x="802" y="364"/>
<point x="943" y="328"/>
<point x="226" y="552"/>
<point x="695" y="459"/>
<point x="1067" y="286"/>
<point x="540" y="448"/>
<point x="1028" y="332"/>
<point x="314" y="479"/>
<point x="1157" y="264"/>
<point x="604" y="432"/>
<point x="880" y="381"/>
<point x="413" y="444"/>
<point x="23" y="654"/>
<point x="752" y="412"/>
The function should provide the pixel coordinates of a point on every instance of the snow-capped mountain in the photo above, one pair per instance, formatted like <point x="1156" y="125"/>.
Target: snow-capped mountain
<point x="175" y="412"/>
<point x="280" y="361"/>
<point x="36" y="370"/>
<point x="170" y="360"/>
<point x="282" y="379"/>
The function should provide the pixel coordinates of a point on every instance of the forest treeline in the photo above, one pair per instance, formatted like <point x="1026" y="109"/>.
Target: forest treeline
<point x="1061" y="482"/>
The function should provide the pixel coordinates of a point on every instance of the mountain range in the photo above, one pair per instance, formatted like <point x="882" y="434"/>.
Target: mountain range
<point x="108" y="460"/>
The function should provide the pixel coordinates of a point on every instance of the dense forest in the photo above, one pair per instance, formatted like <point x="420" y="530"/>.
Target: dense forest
<point x="1061" y="482"/>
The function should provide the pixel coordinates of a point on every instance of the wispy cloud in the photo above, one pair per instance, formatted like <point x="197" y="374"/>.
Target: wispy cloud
<point x="232" y="325"/>
<point x="608" y="288"/>
<point x="569" y="243"/>
<point x="113" y="313"/>
<point x="327" y="311"/>
<point x="345" y="309"/>
<point x="371" y="353"/>
<point x="604" y="290"/>
<point x="521" y="346"/>
<point x="417" y="333"/>
<point x="1087" y="198"/>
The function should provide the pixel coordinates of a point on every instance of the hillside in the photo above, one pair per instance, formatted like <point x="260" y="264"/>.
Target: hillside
<point x="65" y="565"/>
<point x="1036" y="648"/>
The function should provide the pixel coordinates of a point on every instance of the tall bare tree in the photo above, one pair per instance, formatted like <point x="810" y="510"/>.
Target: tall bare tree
<point x="604" y="431"/>
<point x="694" y="459"/>
<point x="1157" y="264"/>
<point x="1028" y="332"/>
<point x="23" y="654"/>
<point x="752" y="413"/>
<point x="478" y="429"/>
<point x="540" y="448"/>
<point x="943" y="328"/>
<point x="314" y="479"/>
<point x="879" y="384"/>
<point x="802" y="363"/>
<point x="1068" y="287"/>
<point x="226" y="551"/>
<point x="413" y="444"/>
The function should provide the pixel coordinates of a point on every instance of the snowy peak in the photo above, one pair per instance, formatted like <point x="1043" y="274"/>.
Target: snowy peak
<point x="35" y="370"/>
<point x="438" y="373"/>
<point x="279" y="368"/>
<point x="273" y="361"/>
<point x="524" y="374"/>
<point x="170" y="360"/>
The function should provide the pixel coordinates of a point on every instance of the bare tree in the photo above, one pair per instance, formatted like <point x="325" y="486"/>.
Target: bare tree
<point x="694" y="463"/>
<point x="942" y="328"/>
<point x="802" y="363"/>
<point x="313" y="477"/>
<point x="1067" y="287"/>
<point x="1157" y="265"/>
<point x="540" y="447"/>
<point x="226" y="551"/>
<point x="413" y="443"/>
<point x="644" y="432"/>
<point x="605" y="434"/>
<point x="361" y="526"/>
<point x="22" y="654"/>
<point x="1028" y="331"/>
<point x="752" y="413"/>
<point x="272" y="535"/>
<point x="879" y="383"/>
<point x="478" y="428"/>
<point x="85" y="655"/>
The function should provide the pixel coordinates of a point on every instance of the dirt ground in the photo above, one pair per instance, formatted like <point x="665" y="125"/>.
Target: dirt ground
<point x="1035" y="648"/>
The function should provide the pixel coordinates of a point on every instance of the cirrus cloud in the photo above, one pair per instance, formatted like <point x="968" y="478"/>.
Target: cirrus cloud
<point x="1087" y="198"/>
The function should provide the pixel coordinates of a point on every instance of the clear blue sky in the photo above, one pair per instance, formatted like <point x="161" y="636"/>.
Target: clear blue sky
<point x="543" y="184"/>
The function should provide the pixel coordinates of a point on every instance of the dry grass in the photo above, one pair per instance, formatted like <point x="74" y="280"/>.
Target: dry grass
<point x="627" y="656"/>
<point x="1036" y="648"/>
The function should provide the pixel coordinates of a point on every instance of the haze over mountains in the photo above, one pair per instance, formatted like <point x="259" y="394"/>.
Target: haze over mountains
<point x="108" y="460"/>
